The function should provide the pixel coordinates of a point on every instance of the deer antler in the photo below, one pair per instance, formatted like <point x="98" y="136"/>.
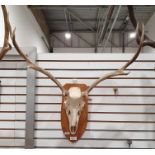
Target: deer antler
<point x="32" y="65"/>
<point x="8" y="30"/>
<point x="147" y="40"/>
<point x="121" y="70"/>
<point x="6" y="46"/>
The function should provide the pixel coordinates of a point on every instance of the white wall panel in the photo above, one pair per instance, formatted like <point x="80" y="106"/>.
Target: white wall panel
<point x="112" y="118"/>
<point x="28" y="31"/>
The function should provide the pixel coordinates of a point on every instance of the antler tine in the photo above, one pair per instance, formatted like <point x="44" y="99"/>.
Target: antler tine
<point x="34" y="66"/>
<point x="140" y="45"/>
<point x="121" y="70"/>
<point x="147" y="41"/>
<point x="21" y="53"/>
<point x="6" y="46"/>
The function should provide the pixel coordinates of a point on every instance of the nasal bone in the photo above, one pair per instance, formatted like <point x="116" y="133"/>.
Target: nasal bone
<point x="73" y="129"/>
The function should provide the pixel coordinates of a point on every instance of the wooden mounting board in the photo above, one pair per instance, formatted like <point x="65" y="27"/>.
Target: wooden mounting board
<point x="82" y="120"/>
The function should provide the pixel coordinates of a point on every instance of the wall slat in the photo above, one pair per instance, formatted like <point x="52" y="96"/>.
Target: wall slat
<point x="112" y="118"/>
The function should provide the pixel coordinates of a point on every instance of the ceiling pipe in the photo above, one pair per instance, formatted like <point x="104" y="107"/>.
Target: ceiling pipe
<point x="113" y="24"/>
<point x="100" y="21"/>
<point x="106" y="24"/>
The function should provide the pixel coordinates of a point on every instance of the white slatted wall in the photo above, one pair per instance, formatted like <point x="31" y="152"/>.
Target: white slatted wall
<point x="112" y="119"/>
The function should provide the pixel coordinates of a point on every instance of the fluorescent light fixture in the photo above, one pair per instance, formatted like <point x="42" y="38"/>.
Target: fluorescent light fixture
<point x="132" y="35"/>
<point x="67" y="35"/>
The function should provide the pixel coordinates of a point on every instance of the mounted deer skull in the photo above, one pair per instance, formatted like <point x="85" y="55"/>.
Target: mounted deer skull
<point x="73" y="104"/>
<point x="74" y="96"/>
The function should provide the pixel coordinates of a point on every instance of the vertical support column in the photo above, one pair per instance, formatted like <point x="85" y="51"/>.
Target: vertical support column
<point x="123" y="42"/>
<point x="30" y="103"/>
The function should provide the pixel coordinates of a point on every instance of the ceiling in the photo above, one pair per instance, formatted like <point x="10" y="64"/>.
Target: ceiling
<point x="85" y="19"/>
<point x="56" y="20"/>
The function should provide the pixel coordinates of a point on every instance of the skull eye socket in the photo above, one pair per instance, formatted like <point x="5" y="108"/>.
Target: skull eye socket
<point x="69" y="112"/>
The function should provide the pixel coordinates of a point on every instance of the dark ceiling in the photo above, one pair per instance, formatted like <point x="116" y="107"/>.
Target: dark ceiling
<point x="60" y="18"/>
<point x="88" y="19"/>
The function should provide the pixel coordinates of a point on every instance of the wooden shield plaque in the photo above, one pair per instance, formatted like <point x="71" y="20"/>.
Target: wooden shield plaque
<point x="83" y="117"/>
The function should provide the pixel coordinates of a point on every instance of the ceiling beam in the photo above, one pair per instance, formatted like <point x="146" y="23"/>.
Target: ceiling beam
<point x="87" y="30"/>
<point x="55" y="7"/>
<point x="90" y="44"/>
<point x="97" y="25"/>
<point x="80" y="20"/>
<point x="66" y="18"/>
<point x="83" y="19"/>
<point x="60" y="40"/>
